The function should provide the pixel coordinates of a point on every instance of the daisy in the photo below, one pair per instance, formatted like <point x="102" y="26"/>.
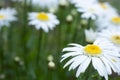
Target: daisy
<point x="103" y="55"/>
<point x="110" y="21"/>
<point x="112" y="35"/>
<point x="43" y="20"/>
<point x="108" y="17"/>
<point x="106" y="9"/>
<point x="88" y="10"/>
<point x="90" y="35"/>
<point x="7" y="15"/>
<point x="95" y="9"/>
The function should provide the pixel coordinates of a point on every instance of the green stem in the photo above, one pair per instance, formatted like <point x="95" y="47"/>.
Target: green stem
<point x="68" y="34"/>
<point x="39" y="56"/>
<point x="1" y="52"/>
<point x="24" y="37"/>
<point x="75" y="28"/>
<point x="59" y="38"/>
<point x="4" y="51"/>
<point x="39" y="47"/>
<point x="25" y="32"/>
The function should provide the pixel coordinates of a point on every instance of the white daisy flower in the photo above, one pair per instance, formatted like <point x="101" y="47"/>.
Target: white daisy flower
<point x="110" y="21"/>
<point x="103" y="55"/>
<point x="43" y="3"/>
<point x="43" y="20"/>
<point x="112" y="35"/>
<point x="7" y="15"/>
<point x="88" y="10"/>
<point x="107" y="17"/>
<point x="106" y="9"/>
<point x="95" y="9"/>
<point x="90" y="35"/>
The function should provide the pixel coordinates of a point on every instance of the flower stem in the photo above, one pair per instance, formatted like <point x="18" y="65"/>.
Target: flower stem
<point x="39" y="47"/>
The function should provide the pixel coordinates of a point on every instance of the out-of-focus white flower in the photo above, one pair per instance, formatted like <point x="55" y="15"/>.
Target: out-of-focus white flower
<point x="105" y="9"/>
<point x="95" y="10"/>
<point x="7" y="15"/>
<point x="43" y="3"/>
<point x="110" y="21"/>
<point x="88" y="10"/>
<point x="90" y="35"/>
<point x="112" y="35"/>
<point x="82" y="1"/>
<point x="107" y="16"/>
<point x="103" y="55"/>
<point x="43" y="20"/>
<point x="69" y="18"/>
<point x="51" y="64"/>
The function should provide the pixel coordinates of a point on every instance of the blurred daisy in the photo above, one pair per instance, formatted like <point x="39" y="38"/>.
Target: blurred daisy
<point x="103" y="55"/>
<point x="82" y="1"/>
<point x="112" y="35"/>
<point x="110" y="21"/>
<point x="90" y="35"/>
<point x="106" y="9"/>
<point x="107" y="17"/>
<point x="43" y="3"/>
<point x="88" y="10"/>
<point x="95" y="9"/>
<point x="7" y="15"/>
<point x="43" y="20"/>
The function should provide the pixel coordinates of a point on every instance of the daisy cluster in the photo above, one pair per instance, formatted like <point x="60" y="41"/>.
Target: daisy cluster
<point x="105" y="17"/>
<point x="103" y="48"/>
<point x="41" y="20"/>
<point x="103" y="41"/>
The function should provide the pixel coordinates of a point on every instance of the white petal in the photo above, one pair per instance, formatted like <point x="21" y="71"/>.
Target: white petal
<point x="68" y="55"/>
<point x="108" y="67"/>
<point x="72" y="49"/>
<point x="70" y="61"/>
<point x="76" y="63"/>
<point x="77" y="45"/>
<point x="83" y="66"/>
<point x="100" y="67"/>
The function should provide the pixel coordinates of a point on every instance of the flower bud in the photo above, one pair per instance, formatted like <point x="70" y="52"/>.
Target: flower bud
<point x="51" y="64"/>
<point x="50" y="58"/>
<point x="69" y="18"/>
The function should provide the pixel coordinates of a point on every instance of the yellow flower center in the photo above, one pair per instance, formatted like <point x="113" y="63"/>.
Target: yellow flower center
<point x="103" y="6"/>
<point x="2" y="16"/>
<point x="116" y="39"/>
<point x="116" y="20"/>
<point x="92" y="49"/>
<point x="42" y="16"/>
